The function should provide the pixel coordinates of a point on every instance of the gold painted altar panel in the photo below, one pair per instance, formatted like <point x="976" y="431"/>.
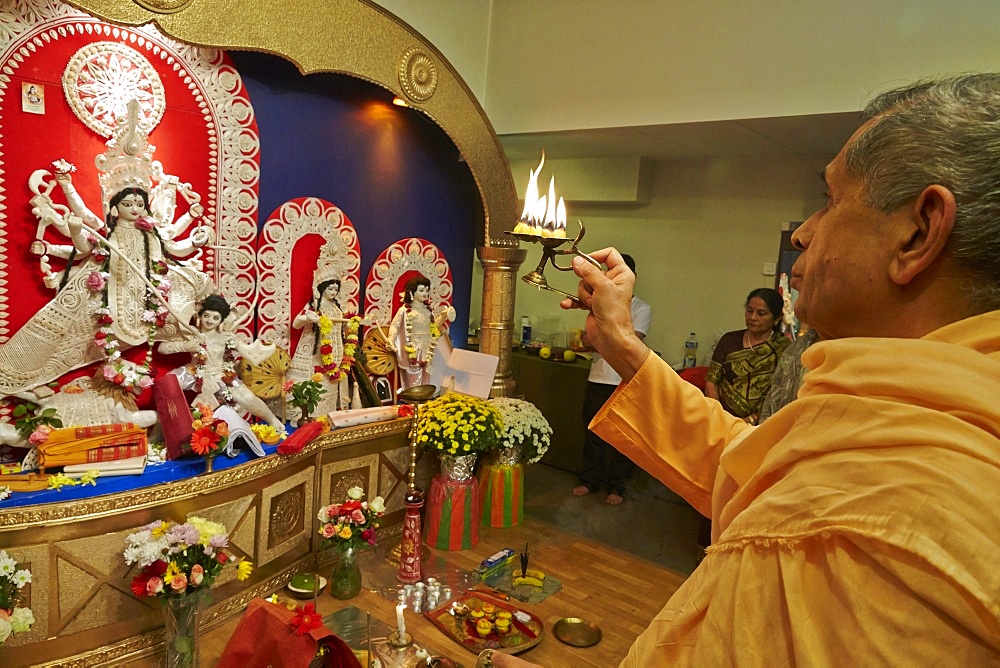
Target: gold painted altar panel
<point x="80" y="594"/>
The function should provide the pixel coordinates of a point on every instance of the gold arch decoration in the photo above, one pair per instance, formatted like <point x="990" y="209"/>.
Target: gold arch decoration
<point x="379" y="48"/>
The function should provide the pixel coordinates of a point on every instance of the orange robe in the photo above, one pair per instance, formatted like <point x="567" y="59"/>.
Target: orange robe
<point x="860" y="525"/>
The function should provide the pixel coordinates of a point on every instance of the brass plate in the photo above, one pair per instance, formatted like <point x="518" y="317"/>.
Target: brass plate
<point x="577" y="632"/>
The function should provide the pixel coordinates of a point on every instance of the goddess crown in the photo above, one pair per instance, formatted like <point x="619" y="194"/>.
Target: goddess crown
<point x="331" y="264"/>
<point x="128" y="162"/>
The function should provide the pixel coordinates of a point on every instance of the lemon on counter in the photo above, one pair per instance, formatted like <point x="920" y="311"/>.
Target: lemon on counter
<point x="545" y="353"/>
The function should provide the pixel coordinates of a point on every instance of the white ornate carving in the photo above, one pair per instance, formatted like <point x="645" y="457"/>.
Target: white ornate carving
<point x="103" y="77"/>
<point x="406" y="255"/>
<point x="286" y="226"/>
<point x="28" y="26"/>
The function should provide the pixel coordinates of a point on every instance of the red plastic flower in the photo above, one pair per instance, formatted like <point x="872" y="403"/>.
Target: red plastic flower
<point x="404" y="410"/>
<point x="306" y="619"/>
<point x="204" y="440"/>
<point x="326" y="349"/>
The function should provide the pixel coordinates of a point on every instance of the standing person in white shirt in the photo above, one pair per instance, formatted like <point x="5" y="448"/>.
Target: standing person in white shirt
<point x="603" y="464"/>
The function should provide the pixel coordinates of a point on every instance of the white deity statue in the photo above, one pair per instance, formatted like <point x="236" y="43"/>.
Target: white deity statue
<point x="329" y="339"/>
<point x="122" y="284"/>
<point x="215" y="357"/>
<point x="415" y="333"/>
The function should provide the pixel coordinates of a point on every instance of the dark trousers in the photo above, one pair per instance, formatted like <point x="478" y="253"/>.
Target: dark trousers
<point x="602" y="463"/>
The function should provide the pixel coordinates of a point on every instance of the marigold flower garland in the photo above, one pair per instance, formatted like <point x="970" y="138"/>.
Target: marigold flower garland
<point x="328" y="367"/>
<point x="458" y="424"/>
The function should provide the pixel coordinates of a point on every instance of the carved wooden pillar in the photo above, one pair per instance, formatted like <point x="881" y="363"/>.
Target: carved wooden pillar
<point x="496" y="333"/>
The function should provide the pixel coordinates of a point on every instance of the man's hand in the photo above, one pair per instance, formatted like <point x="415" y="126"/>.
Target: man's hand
<point x="608" y="297"/>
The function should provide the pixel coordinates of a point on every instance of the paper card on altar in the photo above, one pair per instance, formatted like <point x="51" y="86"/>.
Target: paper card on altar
<point x="464" y="371"/>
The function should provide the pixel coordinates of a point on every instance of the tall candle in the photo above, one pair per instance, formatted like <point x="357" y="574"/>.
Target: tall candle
<point x="400" y="624"/>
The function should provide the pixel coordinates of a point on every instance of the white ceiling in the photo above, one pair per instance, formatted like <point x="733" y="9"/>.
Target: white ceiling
<point x="820" y="134"/>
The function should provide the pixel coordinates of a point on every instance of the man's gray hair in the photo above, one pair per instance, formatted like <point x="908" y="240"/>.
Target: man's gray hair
<point x="946" y="132"/>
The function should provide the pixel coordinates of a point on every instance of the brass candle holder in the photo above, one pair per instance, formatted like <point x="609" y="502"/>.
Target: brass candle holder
<point x="550" y="250"/>
<point x="410" y="553"/>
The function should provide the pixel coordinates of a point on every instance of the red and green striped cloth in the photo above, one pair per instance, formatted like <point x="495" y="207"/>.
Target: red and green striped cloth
<point x="502" y="490"/>
<point x="453" y="510"/>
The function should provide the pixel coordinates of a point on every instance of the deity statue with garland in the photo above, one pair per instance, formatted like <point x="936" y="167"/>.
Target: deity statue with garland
<point x="123" y="283"/>
<point x="415" y="333"/>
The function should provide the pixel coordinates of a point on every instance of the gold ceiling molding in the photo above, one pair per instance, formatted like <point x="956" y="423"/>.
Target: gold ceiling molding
<point x="163" y="6"/>
<point x="350" y="37"/>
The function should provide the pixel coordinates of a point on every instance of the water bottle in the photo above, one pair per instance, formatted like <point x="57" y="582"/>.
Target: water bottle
<point x="691" y="351"/>
<point x="525" y="330"/>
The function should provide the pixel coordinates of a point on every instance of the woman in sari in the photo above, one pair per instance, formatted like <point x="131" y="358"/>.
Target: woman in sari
<point x="743" y="363"/>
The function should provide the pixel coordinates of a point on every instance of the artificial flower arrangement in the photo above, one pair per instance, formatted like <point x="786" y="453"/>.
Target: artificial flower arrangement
<point x="351" y="524"/>
<point x="524" y="427"/>
<point x="210" y="433"/>
<point x="459" y="424"/>
<point x="179" y="559"/>
<point x="13" y="618"/>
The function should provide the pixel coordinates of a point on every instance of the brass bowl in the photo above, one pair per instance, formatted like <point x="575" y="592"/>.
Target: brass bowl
<point x="577" y="632"/>
<point x="416" y="394"/>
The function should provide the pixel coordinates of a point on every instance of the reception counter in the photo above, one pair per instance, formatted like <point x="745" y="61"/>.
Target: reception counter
<point x="557" y="389"/>
<point x="80" y="595"/>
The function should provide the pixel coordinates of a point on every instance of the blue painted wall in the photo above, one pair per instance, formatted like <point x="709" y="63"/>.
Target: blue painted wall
<point x="391" y="170"/>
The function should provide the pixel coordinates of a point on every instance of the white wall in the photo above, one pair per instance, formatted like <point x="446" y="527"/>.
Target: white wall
<point x="599" y="63"/>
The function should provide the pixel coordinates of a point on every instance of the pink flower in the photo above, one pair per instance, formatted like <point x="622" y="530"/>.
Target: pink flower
<point x="287" y="386"/>
<point x="197" y="574"/>
<point x="179" y="582"/>
<point x="358" y="516"/>
<point x="328" y="530"/>
<point x="333" y="510"/>
<point x="154" y="586"/>
<point x="145" y="382"/>
<point x="109" y="372"/>
<point x="96" y="281"/>
<point x="146" y="224"/>
<point x="38" y="437"/>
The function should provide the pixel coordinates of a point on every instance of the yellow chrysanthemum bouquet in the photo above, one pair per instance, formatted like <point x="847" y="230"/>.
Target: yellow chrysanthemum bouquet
<point x="458" y="424"/>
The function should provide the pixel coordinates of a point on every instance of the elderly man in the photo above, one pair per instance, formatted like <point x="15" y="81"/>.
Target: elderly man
<point x="859" y="525"/>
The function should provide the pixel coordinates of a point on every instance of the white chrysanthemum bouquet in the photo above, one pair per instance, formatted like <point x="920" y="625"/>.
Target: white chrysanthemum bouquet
<point x="13" y="618"/>
<point x="524" y="426"/>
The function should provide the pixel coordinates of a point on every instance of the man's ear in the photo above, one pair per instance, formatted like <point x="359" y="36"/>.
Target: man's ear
<point x="926" y="228"/>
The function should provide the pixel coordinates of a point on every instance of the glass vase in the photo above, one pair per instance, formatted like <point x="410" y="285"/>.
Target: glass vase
<point x="345" y="581"/>
<point x="458" y="468"/>
<point x="181" y="617"/>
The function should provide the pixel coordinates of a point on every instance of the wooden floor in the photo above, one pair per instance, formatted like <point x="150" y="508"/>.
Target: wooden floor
<point x="615" y="590"/>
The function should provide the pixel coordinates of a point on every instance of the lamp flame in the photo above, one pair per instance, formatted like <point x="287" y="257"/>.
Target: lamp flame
<point x="543" y="215"/>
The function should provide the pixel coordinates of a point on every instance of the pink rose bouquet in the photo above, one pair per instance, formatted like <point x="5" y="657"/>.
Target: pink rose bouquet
<point x="351" y="524"/>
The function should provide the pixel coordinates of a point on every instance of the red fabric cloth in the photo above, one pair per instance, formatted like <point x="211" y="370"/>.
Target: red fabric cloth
<point x="300" y="437"/>
<point x="695" y="375"/>
<point x="265" y="637"/>
<point x="175" y="415"/>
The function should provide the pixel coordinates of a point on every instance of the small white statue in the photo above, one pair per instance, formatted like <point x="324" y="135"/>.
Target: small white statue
<point x="215" y="358"/>
<point x="415" y="332"/>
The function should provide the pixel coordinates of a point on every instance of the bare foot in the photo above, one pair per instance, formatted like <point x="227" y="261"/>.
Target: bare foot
<point x="582" y="490"/>
<point x="614" y="499"/>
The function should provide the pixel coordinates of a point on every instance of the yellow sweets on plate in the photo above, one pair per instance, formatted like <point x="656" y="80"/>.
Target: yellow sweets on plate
<point x="483" y="627"/>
